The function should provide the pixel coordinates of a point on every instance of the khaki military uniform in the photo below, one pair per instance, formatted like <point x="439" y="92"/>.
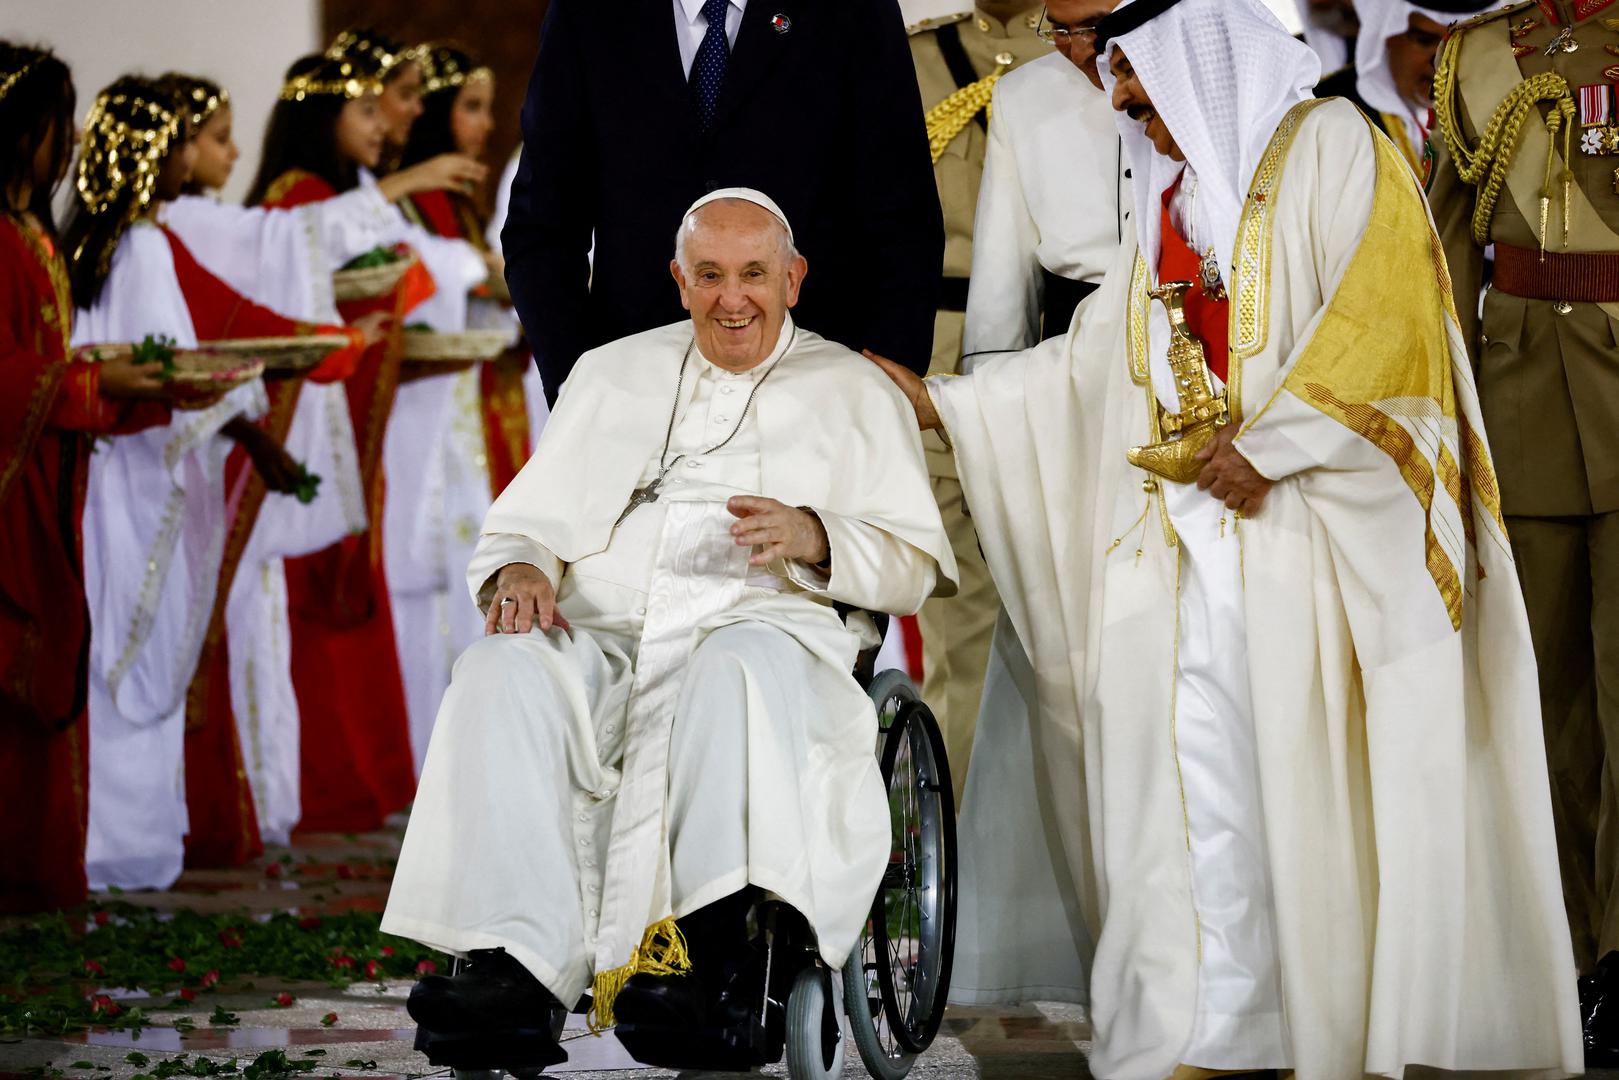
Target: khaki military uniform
<point x="956" y="631"/>
<point x="1548" y="379"/>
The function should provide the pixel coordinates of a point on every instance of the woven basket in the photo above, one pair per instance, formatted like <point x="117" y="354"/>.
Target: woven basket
<point x="284" y="353"/>
<point x="370" y="283"/>
<point x="422" y="346"/>
<point x="197" y="373"/>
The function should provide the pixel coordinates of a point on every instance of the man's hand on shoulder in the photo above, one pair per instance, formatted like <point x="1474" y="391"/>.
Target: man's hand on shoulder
<point x="523" y="599"/>
<point x="1229" y="477"/>
<point x="784" y="532"/>
<point x="912" y="386"/>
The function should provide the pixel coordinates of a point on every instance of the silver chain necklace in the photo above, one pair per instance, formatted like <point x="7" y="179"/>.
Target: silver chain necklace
<point x="649" y="494"/>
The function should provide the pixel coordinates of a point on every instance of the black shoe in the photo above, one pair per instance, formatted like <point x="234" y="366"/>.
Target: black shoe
<point x="662" y="1001"/>
<point x="1599" y="1014"/>
<point x="493" y="994"/>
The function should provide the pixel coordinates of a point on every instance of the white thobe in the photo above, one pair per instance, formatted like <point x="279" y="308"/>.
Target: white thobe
<point x="697" y="728"/>
<point x="154" y="529"/>
<point x="1323" y="720"/>
<point x="1055" y="197"/>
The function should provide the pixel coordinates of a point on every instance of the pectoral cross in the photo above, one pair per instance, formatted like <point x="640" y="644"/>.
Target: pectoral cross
<point x="649" y="494"/>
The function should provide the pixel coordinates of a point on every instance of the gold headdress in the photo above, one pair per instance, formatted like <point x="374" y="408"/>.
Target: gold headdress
<point x="373" y="53"/>
<point x="7" y="81"/>
<point x="445" y="67"/>
<point x="129" y="132"/>
<point x="333" y="77"/>
<point x="200" y="97"/>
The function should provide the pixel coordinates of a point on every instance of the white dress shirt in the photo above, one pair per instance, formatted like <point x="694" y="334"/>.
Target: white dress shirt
<point x="690" y="26"/>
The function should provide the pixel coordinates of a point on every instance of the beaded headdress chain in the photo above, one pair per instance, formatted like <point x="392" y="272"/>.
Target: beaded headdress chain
<point x="334" y="77"/>
<point x="15" y="77"/>
<point x="444" y="68"/>
<point x="127" y="135"/>
<point x="373" y="53"/>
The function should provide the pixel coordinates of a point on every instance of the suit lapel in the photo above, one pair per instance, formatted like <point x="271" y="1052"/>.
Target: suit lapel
<point x="759" y="49"/>
<point x="656" y="50"/>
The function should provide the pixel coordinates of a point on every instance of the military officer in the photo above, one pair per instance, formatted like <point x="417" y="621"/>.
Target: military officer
<point x="1548" y="379"/>
<point x="960" y="53"/>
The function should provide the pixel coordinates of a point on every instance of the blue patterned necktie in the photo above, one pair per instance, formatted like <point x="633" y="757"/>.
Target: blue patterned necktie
<point x="708" y="69"/>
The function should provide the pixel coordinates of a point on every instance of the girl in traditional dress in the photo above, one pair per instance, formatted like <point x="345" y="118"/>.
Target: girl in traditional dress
<point x="155" y="522"/>
<point x="240" y="705"/>
<point x="355" y="761"/>
<point x="479" y="416"/>
<point x="52" y="404"/>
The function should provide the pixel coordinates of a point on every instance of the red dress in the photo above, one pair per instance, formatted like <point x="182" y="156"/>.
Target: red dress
<point x="50" y="406"/>
<point x="503" y="403"/>
<point x="219" y="799"/>
<point x="355" y="762"/>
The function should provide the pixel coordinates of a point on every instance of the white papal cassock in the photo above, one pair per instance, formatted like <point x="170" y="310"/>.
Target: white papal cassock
<point x="697" y="729"/>
<point x="1306" y="803"/>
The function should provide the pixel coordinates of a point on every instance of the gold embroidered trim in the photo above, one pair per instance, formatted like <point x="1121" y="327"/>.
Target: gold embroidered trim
<point x="284" y="184"/>
<point x="1250" y="292"/>
<point x="50" y="379"/>
<point x="1140" y="344"/>
<point x="1140" y="310"/>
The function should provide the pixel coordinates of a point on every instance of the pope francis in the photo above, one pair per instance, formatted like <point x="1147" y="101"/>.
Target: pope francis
<point x="662" y="719"/>
<point x="1245" y="524"/>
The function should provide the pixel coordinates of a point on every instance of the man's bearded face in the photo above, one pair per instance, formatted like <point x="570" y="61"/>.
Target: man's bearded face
<point x="1335" y="17"/>
<point x="1411" y="59"/>
<point x="1078" y="18"/>
<point x="1130" y="98"/>
<point x="738" y="275"/>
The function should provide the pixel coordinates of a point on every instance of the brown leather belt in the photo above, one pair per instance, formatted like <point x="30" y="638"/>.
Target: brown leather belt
<point x="1582" y="278"/>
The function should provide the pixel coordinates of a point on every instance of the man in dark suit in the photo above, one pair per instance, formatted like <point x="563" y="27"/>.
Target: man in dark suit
<point x="635" y="111"/>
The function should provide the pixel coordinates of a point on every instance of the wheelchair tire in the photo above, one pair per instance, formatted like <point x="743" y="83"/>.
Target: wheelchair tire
<point x="816" y="1046"/>
<point x="895" y="1008"/>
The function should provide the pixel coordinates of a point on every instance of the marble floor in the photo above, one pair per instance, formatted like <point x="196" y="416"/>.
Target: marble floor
<point x="372" y="1035"/>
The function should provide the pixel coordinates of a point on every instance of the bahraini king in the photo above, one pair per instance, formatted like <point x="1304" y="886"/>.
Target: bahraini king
<point x="1245" y="523"/>
<point x="663" y="716"/>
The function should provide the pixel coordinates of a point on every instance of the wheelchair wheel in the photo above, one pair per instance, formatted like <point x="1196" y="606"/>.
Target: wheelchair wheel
<point x="897" y="980"/>
<point x="815" y="1044"/>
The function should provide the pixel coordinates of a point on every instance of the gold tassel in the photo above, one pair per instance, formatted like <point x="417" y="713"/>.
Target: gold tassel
<point x="661" y="952"/>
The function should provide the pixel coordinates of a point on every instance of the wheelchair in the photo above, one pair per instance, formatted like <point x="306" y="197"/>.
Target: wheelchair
<point x="889" y="998"/>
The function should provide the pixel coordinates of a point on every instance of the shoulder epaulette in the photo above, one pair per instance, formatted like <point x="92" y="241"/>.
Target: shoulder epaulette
<point x="934" y="22"/>
<point x="1491" y="16"/>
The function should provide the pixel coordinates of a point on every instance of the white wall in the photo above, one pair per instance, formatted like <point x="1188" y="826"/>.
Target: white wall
<point x="244" y="45"/>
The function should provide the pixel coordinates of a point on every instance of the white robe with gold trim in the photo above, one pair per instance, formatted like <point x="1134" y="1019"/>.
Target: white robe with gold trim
<point x="1404" y="822"/>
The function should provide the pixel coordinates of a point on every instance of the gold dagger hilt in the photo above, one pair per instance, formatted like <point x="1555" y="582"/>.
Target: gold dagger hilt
<point x="1203" y="410"/>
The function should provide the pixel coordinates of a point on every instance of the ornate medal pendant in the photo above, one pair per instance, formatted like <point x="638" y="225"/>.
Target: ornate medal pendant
<point x="1208" y="276"/>
<point x="1563" y="42"/>
<point x="1599" y="119"/>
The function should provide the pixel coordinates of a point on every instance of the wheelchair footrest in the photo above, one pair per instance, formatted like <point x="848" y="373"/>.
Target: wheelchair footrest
<point x="710" y="1049"/>
<point x="523" y="1050"/>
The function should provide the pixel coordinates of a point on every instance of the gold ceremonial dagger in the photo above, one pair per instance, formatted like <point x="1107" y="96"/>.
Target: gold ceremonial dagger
<point x="1203" y="411"/>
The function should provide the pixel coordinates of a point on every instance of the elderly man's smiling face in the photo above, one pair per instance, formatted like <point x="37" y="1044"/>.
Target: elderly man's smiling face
<point x="738" y="274"/>
<point x="1130" y="98"/>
